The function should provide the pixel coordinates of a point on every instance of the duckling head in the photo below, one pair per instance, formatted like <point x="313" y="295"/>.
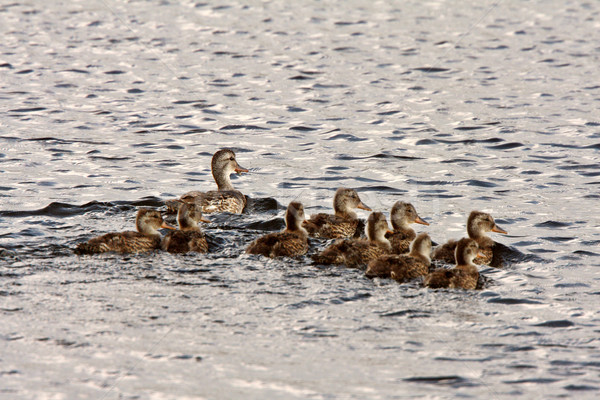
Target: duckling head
<point x="294" y="217"/>
<point x="422" y="245"/>
<point x="466" y="251"/>
<point x="189" y="215"/>
<point x="377" y="227"/>
<point x="345" y="200"/>
<point x="403" y="214"/>
<point x="479" y="223"/>
<point x="222" y="165"/>
<point x="150" y="221"/>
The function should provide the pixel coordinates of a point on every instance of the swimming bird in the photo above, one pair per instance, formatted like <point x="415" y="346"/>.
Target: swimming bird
<point x="402" y="215"/>
<point x="147" y="237"/>
<point x="403" y="267"/>
<point x="225" y="198"/>
<point x="290" y="242"/>
<point x="188" y="237"/>
<point x="464" y="275"/>
<point x="343" y="223"/>
<point x="478" y="224"/>
<point x="358" y="252"/>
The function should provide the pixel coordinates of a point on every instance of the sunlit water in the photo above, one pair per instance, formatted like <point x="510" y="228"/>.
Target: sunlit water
<point x="108" y="106"/>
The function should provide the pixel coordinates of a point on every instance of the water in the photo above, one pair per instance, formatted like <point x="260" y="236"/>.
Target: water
<point x="454" y="106"/>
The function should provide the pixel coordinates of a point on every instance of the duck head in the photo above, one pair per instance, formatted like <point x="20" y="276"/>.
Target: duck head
<point x="294" y="217"/>
<point x="224" y="164"/>
<point x="345" y="201"/>
<point x="189" y="215"/>
<point x="150" y="221"/>
<point x="422" y="245"/>
<point x="377" y="227"/>
<point x="479" y="223"/>
<point x="466" y="250"/>
<point x="403" y="214"/>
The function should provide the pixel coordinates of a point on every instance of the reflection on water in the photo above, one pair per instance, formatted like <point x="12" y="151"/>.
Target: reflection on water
<point x="111" y="107"/>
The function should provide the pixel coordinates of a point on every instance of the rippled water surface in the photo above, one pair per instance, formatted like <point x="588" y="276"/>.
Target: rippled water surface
<point x="107" y="106"/>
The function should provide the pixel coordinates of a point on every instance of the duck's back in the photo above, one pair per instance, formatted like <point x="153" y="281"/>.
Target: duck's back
<point x="445" y="252"/>
<point x="232" y="201"/>
<point x="399" y="267"/>
<point x="401" y="240"/>
<point x="331" y="226"/>
<point x="355" y="253"/>
<point x="120" y="242"/>
<point x="185" y="241"/>
<point x="279" y="244"/>
<point x="455" y="278"/>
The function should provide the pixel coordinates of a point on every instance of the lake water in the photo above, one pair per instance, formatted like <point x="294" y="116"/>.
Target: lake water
<point x="107" y="106"/>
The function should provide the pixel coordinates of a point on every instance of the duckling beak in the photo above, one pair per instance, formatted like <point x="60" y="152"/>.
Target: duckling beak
<point x="496" y="228"/>
<point x="167" y="226"/>
<point x="418" y="220"/>
<point x="363" y="207"/>
<point x="207" y="221"/>
<point x="239" y="169"/>
<point x="480" y="254"/>
<point x="390" y="232"/>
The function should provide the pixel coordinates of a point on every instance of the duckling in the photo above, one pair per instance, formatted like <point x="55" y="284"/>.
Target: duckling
<point x="464" y="275"/>
<point x="358" y="252"/>
<point x="225" y="198"/>
<point x="147" y="237"/>
<point x="343" y="223"/>
<point x="290" y="242"/>
<point x="188" y="237"/>
<point x="478" y="224"/>
<point x="402" y="215"/>
<point x="403" y="267"/>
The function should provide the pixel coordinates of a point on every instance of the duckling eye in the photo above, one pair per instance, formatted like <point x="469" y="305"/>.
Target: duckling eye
<point x="232" y="158"/>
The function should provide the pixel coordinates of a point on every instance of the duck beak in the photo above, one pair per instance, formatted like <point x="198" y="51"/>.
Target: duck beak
<point x="418" y="220"/>
<point x="363" y="207"/>
<point x="239" y="169"/>
<point x="207" y="221"/>
<point x="480" y="254"/>
<point x="496" y="228"/>
<point x="167" y="226"/>
<point x="389" y="232"/>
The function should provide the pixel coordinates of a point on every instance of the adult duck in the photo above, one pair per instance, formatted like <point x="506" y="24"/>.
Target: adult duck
<point x="358" y="252"/>
<point x="147" y="237"/>
<point x="403" y="267"/>
<point x="225" y="198"/>
<point x="402" y="216"/>
<point x="188" y="237"/>
<point x="343" y="223"/>
<point x="291" y="242"/>
<point x="478" y="224"/>
<point x="464" y="275"/>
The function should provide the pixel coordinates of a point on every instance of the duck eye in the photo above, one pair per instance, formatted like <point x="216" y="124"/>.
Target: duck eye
<point x="232" y="158"/>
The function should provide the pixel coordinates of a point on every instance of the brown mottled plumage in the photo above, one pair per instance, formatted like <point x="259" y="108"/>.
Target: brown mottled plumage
<point x="464" y="275"/>
<point x="358" y="252"/>
<point x="345" y="221"/>
<point x="478" y="224"/>
<point x="402" y="215"/>
<point x="188" y="237"/>
<point x="147" y="237"/>
<point x="403" y="267"/>
<point x="225" y="198"/>
<point x="290" y="242"/>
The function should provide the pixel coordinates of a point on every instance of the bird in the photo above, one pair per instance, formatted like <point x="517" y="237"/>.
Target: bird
<point x="343" y="223"/>
<point x="402" y="215"/>
<point x="291" y="242"/>
<point x="478" y="224"/>
<point x="356" y="253"/>
<point x="403" y="267"/>
<point x="225" y="198"/>
<point x="188" y="237"/>
<point x="464" y="275"/>
<point x="147" y="237"/>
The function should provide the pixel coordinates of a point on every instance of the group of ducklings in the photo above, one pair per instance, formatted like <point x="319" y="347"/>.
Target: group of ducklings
<point x="399" y="254"/>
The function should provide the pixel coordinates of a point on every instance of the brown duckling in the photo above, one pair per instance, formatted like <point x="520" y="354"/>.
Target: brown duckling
<point x="188" y="237"/>
<point x="225" y="198"/>
<point x="290" y="242"/>
<point x="147" y="237"/>
<point x="403" y="267"/>
<point x="464" y="275"/>
<point x="358" y="252"/>
<point x="343" y="223"/>
<point x="478" y="224"/>
<point x="402" y="215"/>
